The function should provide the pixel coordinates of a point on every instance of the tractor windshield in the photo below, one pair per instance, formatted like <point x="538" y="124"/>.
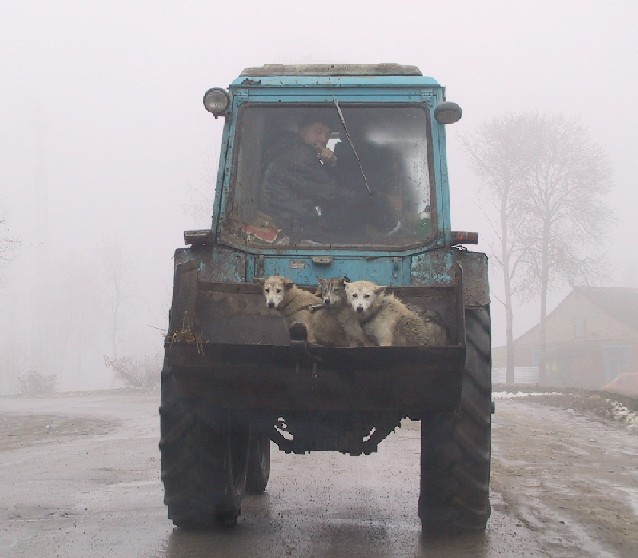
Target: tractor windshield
<point x="331" y="175"/>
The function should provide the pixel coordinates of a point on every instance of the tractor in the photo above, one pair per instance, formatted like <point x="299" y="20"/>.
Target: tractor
<point x="237" y="382"/>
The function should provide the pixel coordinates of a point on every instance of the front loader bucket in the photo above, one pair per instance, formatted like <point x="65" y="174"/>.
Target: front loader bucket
<point x="259" y="377"/>
<point x="228" y="348"/>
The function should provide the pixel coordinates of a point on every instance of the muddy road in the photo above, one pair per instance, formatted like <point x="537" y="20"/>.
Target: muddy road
<point x="80" y="477"/>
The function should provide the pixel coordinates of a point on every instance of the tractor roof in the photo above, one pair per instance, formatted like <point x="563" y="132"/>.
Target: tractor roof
<point x="332" y="70"/>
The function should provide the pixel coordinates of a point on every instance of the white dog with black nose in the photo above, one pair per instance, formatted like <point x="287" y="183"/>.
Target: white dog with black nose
<point x="386" y="321"/>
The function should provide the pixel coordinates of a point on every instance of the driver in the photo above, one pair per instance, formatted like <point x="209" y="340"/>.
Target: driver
<point x="301" y="193"/>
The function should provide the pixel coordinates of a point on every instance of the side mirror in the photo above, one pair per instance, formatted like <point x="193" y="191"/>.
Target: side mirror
<point x="447" y="113"/>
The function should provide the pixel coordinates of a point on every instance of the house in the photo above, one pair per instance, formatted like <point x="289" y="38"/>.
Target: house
<point x="592" y="336"/>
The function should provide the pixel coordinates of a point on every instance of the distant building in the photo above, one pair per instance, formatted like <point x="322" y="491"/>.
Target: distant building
<point x="592" y="336"/>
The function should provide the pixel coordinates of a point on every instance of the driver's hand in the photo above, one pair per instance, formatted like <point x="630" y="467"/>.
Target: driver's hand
<point x="327" y="156"/>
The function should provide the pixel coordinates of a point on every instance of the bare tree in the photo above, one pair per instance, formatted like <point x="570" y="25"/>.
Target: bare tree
<point x="199" y="199"/>
<point x="137" y="372"/>
<point x="7" y="243"/>
<point x="551" y="204"/>
<point x="68" y="336"/>
<point x="500" y="156"/>
<point x="117" y="271"/>
<point x="567" y="187"/>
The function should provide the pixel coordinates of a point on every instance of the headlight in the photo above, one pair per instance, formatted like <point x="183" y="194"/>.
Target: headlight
<point x="216" y="101"/>
<point x="447" y="113"/>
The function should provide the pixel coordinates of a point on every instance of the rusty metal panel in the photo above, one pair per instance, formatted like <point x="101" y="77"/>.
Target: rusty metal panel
<point x="236" y="312"/>
<point x="223" y="265"/>
<point x="476" y="287"/>
<point x="437" y="268"/>
<point x="408" y="379"/>
<point x="240" y="317"/>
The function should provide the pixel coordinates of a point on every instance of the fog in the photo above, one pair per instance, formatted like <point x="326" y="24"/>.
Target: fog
<point x="105" y="142"/>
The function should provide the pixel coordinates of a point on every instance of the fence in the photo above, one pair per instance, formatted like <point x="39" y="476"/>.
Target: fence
<point x="522" y="375"/>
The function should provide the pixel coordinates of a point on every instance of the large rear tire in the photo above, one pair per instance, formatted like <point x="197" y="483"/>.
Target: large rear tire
<point x="456" y="447"/>
<point x="258" y="464"/>
<point x="204" y="461"/>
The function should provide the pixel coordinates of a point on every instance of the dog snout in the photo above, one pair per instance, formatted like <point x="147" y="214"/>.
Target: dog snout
<point x="359" y="308"/>
<point x="326" y="301"/>
<point x="271" y="304"/>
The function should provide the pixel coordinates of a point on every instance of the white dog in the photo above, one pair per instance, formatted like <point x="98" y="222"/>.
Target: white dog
<point x="297" y="305"/>
<point x="387" y="321"/>
<point x="333" y="296"/>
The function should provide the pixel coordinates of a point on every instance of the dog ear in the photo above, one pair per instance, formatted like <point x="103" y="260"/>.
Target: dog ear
<point x="379" y="289"/>
<point x="346" y="279"/>
<point x="259" y="280"/>
<point x="320" y="281"/>
<point x="288" y="283"/>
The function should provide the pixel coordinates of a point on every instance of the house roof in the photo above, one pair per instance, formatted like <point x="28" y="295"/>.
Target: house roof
<point x="619" y="302"/>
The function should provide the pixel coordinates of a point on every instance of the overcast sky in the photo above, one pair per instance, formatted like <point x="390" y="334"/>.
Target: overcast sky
<point x="103" y="135"/>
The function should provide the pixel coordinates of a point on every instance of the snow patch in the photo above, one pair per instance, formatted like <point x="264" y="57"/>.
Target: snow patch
<point x="622" y="413"/>
<point x="617" y="411"/>
<point x="512" y="395"/>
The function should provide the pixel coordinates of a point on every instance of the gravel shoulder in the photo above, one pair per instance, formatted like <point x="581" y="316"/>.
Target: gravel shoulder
<point x="19" y="431"/>
<point x="30" y="421"/>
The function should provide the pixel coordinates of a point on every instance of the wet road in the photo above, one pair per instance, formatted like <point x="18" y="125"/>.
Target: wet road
<point x="80" y="477"/>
